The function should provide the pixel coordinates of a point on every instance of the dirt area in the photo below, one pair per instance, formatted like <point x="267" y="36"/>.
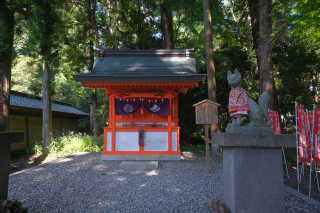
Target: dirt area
<point x="304" y="185"/>
<point x="27" y="161"/>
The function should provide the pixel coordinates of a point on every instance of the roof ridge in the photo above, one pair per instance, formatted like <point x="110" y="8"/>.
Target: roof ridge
<point x="181" y="53"/>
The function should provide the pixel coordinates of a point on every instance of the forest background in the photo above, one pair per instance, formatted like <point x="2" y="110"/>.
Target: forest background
<point x="65" y="37"/>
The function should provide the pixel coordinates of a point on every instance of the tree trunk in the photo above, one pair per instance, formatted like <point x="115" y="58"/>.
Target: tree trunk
<point x="46" y="109"/>
<point x="254" y="14"/>
<point x="315" y="87"/>
<point x="93" y="118"/>
<point x="170" y="28"/>
<point x="116" y="24"/>
<point x="265" y="64"/>
<point x="117" y="31"/>
<point x="212" y="93"/>
<point x="265" y="54"/>
<point x="96" y="31"/>
<point x="6" y="33"/>
<point x="164" y="26"/>
<point x="90" y="29"/>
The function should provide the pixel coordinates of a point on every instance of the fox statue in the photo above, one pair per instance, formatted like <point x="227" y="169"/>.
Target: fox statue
<point x="240" y="104"/>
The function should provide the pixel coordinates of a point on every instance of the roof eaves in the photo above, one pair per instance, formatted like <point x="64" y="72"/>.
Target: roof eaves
<point x="135" y="78"/>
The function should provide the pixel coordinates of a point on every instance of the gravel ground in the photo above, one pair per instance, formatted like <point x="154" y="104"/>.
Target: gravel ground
<point x="83" y="183"/>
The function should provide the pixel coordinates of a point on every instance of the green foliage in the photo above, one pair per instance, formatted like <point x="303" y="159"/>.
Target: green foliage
<point x="71" y="39"/>
<point x="70" y="144"/>
<point x="194" y="148"/>
<point x="291" y="157"/>
<point x="36" y="149"/>
<point x="297" y="65"/>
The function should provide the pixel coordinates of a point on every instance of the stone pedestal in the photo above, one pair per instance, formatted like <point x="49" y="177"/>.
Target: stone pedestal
<point x="6" y="139"/>
<point x="253" y="172"/>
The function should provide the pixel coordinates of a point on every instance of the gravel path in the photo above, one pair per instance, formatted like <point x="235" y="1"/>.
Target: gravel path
<point x="83" y="183"/>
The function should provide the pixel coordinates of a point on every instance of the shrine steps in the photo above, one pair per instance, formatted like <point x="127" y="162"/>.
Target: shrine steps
<point x="142" y="157"/>
<point x="139" y="165"/>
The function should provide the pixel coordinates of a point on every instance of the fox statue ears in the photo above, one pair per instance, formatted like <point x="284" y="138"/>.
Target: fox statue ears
<point x="228" y="73"/>
<point x="235" y="72"/>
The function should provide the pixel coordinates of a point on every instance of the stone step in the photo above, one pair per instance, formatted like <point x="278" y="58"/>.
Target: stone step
<point x="139" y="165"/>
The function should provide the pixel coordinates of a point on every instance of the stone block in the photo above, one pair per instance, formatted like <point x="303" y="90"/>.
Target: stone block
<point x="142" y="157"/>
<point x="161" y="157"/>
<point x="254" y="140"/>
<point x="120" y="157"/>
<point x="253" y="180"/>
<point x="139" y="165"/>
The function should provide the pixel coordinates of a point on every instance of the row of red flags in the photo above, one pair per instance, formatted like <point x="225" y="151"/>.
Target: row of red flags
<point x="308" y="129"/>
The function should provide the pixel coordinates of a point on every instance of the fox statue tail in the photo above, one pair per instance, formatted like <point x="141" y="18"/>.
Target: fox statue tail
<point x="264" y="101"/>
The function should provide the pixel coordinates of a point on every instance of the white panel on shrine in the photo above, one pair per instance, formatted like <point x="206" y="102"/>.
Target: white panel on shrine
<point x="127" y="141"/>
<point x="109" y="141"/>
<point x="174" y="141"/>
<point x="143" y="123"/>
<point x="165" y="123"/>
<point x="120" y="123"/>
<point x="155" y="141"/>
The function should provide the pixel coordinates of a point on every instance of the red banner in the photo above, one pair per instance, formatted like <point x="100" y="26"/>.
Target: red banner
<point x="310" y="119"/>
<point x="304" y="148"/>
<point x="275" y="122"/>
<point x="316" y="150"/>
<point x="302" y="124"/>
<point x="316" y="135"/>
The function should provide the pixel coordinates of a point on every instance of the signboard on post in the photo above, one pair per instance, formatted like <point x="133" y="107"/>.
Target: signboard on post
<point x="207" y="113"/>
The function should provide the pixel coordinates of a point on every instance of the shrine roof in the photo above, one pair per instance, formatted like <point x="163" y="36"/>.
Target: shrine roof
<point x="143" y="66"/>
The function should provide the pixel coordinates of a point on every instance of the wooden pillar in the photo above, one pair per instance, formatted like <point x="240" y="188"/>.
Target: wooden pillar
<point x="105" y="140"/>
<point x="177" y="117"/>
<point x="27" y="132"/>
<point x="109" y="123"/>
<point x="61" y="126"/>
<point x="113" y="145"/>
<point x="169" y="128"/>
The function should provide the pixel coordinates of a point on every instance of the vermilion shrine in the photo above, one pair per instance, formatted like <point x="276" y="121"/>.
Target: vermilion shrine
<point x="143" y="88"/>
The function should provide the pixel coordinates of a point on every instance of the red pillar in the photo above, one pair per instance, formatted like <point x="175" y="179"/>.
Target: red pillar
<point x="169" y="128"/>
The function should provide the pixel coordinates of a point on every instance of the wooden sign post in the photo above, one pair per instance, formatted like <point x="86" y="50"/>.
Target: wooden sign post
<point x="207" y="113"/>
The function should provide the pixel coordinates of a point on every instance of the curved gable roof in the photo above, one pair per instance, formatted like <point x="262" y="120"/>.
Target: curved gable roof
<point x="143" y="66"/>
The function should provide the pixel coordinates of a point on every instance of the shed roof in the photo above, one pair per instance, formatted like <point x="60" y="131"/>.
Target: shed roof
<point x="19" y="99"/>
<point x="143" y="66"/>
<point x="206" y="100"/>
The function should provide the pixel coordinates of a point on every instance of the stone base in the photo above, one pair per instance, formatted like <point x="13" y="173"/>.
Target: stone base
<point x="142" y="157"/>
<point x="249" y="129"/>
<point x="139" y="165"/>
<point x="252" y="171"/>
<point x="253" y="180"/>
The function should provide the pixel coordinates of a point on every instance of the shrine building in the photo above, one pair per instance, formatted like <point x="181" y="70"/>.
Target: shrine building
<point x="143" y="88"/>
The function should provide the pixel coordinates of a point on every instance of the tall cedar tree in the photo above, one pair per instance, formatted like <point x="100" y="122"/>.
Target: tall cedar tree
<point x="43" y="40"/>
<point x="93" y="30"/>
<point x="166" y="25"/>
<point x="212" y="92"/>
<point x="261" y="25"/>
<point x="265" y="54"/>
<point x="6" y="45"/>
